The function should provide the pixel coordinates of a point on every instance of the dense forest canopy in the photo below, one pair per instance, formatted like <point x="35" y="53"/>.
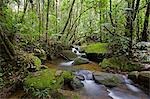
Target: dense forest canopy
<point x="46" y="45"/>
<point x="73" y="20"/>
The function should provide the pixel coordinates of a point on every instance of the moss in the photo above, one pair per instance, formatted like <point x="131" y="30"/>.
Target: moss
<point x="44" y="79"/>
<point x="37" y="62"/>
<point x="96" y="48"/>
<point x="67" y="75"/>
<point x="119" y="63"/>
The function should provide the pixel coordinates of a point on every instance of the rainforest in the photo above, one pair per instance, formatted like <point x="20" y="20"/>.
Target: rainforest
<point x="74" y="49"/>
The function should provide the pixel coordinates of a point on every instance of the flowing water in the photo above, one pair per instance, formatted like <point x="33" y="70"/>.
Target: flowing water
<point x="92" y="90"/>
<point x="124" y="91"/>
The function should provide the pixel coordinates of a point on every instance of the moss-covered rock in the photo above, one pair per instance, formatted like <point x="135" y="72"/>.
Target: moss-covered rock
<point x="119" y="63"/>
<point x="67" y="75"/>
<point x="133" y="76"/>
<point x="79" y="61"/>
<point x="46" y="82"/>
<point x="96" y="48"/>
<point x="108" y="79"/>
<point x="44" y="79"/>
<point x="144" y="79"/>
<point x="96" y="51"/>
<point x="69" y="54"/>
<point x="76" y="83"/>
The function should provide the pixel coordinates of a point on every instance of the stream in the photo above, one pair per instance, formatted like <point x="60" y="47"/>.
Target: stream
<point x="124" y="91"/>
<point x="91" y="89"/>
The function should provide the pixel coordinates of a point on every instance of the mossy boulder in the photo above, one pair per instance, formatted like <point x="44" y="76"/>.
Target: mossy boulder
<point x="119" y="63"/>
<point x="144" y="79"/>
<point x="79" y="61"/>
<point x="67" y="75"/>
<point x="76" y="83"/>
<point x="96" y="51"/>
<point x="68" y="54"/>
<point x="97" y="48"/>
<point x="108" y="79"/>
<point x="44" y="79"/>
<point x="48" y="78"/>
<point x="133" y="76"/>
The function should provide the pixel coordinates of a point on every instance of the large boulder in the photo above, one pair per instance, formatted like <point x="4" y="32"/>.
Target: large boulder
<point x="143" y="45"/>
<point x="76" y="84"/>
<point x="44" y="79"/>
<point x="79" y="61"/>
<point x="141" y="52"/>
<point x="133" y="76"/>
<point x="96" y="51"/>
<point x="68" y="54"/>
<point x="144" y="79"/>
<point x="108" y="79"/>
<point x="119" y="63"/>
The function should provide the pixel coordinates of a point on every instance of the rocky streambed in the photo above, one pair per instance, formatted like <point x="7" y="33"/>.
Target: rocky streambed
<point x="78" y="77"/>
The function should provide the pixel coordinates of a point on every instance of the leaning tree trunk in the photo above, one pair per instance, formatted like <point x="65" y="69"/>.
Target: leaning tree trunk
<point x="69" y="16"/>
<point x="6" y="45"/>
<point x="146" y="21"/>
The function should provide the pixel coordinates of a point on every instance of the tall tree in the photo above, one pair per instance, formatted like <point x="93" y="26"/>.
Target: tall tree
<point x="146" y="22"/>
<point x="47" y="19"/>
<point x="69" y="16"/>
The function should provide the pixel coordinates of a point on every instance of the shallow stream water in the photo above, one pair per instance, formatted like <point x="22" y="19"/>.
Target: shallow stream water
<point x="91" y="89"/>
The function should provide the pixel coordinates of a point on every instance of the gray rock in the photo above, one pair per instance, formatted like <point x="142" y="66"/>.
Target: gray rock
<point x="133" y="76"/>
<point x="69" y="54"/>
<point x="142" y="52"/>
<point x="79" y="61"/>
<point x="108" y="79"/>
<point x="76" y="84"/>
<point x="86" y="74"/>
<point x="143" y="45"/>
<point x="144" y="79"/>
<point x="80" y="77"/>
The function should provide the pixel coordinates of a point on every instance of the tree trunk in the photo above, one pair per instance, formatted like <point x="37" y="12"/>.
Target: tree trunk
<point x="69" y="16"/>
<point x="47" y="19"/>
<point x="24" y="11"/>
<point x="56" y="15"/>
<point x="129" y="26"/>
<point x="39" y="6"/>
<point x="146" y="21"/>
<point x="110" y="14"/>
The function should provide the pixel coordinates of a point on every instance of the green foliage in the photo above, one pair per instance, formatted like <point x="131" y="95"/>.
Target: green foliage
<point x="119" y="63"/>
<point x="37" y="62"/>
<point x="42" y="94"/>
<point x="97" y="48"/>
<point x="119" y="45"/>
<point x="1" y="80"/>
<point x="29" y="61"/>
